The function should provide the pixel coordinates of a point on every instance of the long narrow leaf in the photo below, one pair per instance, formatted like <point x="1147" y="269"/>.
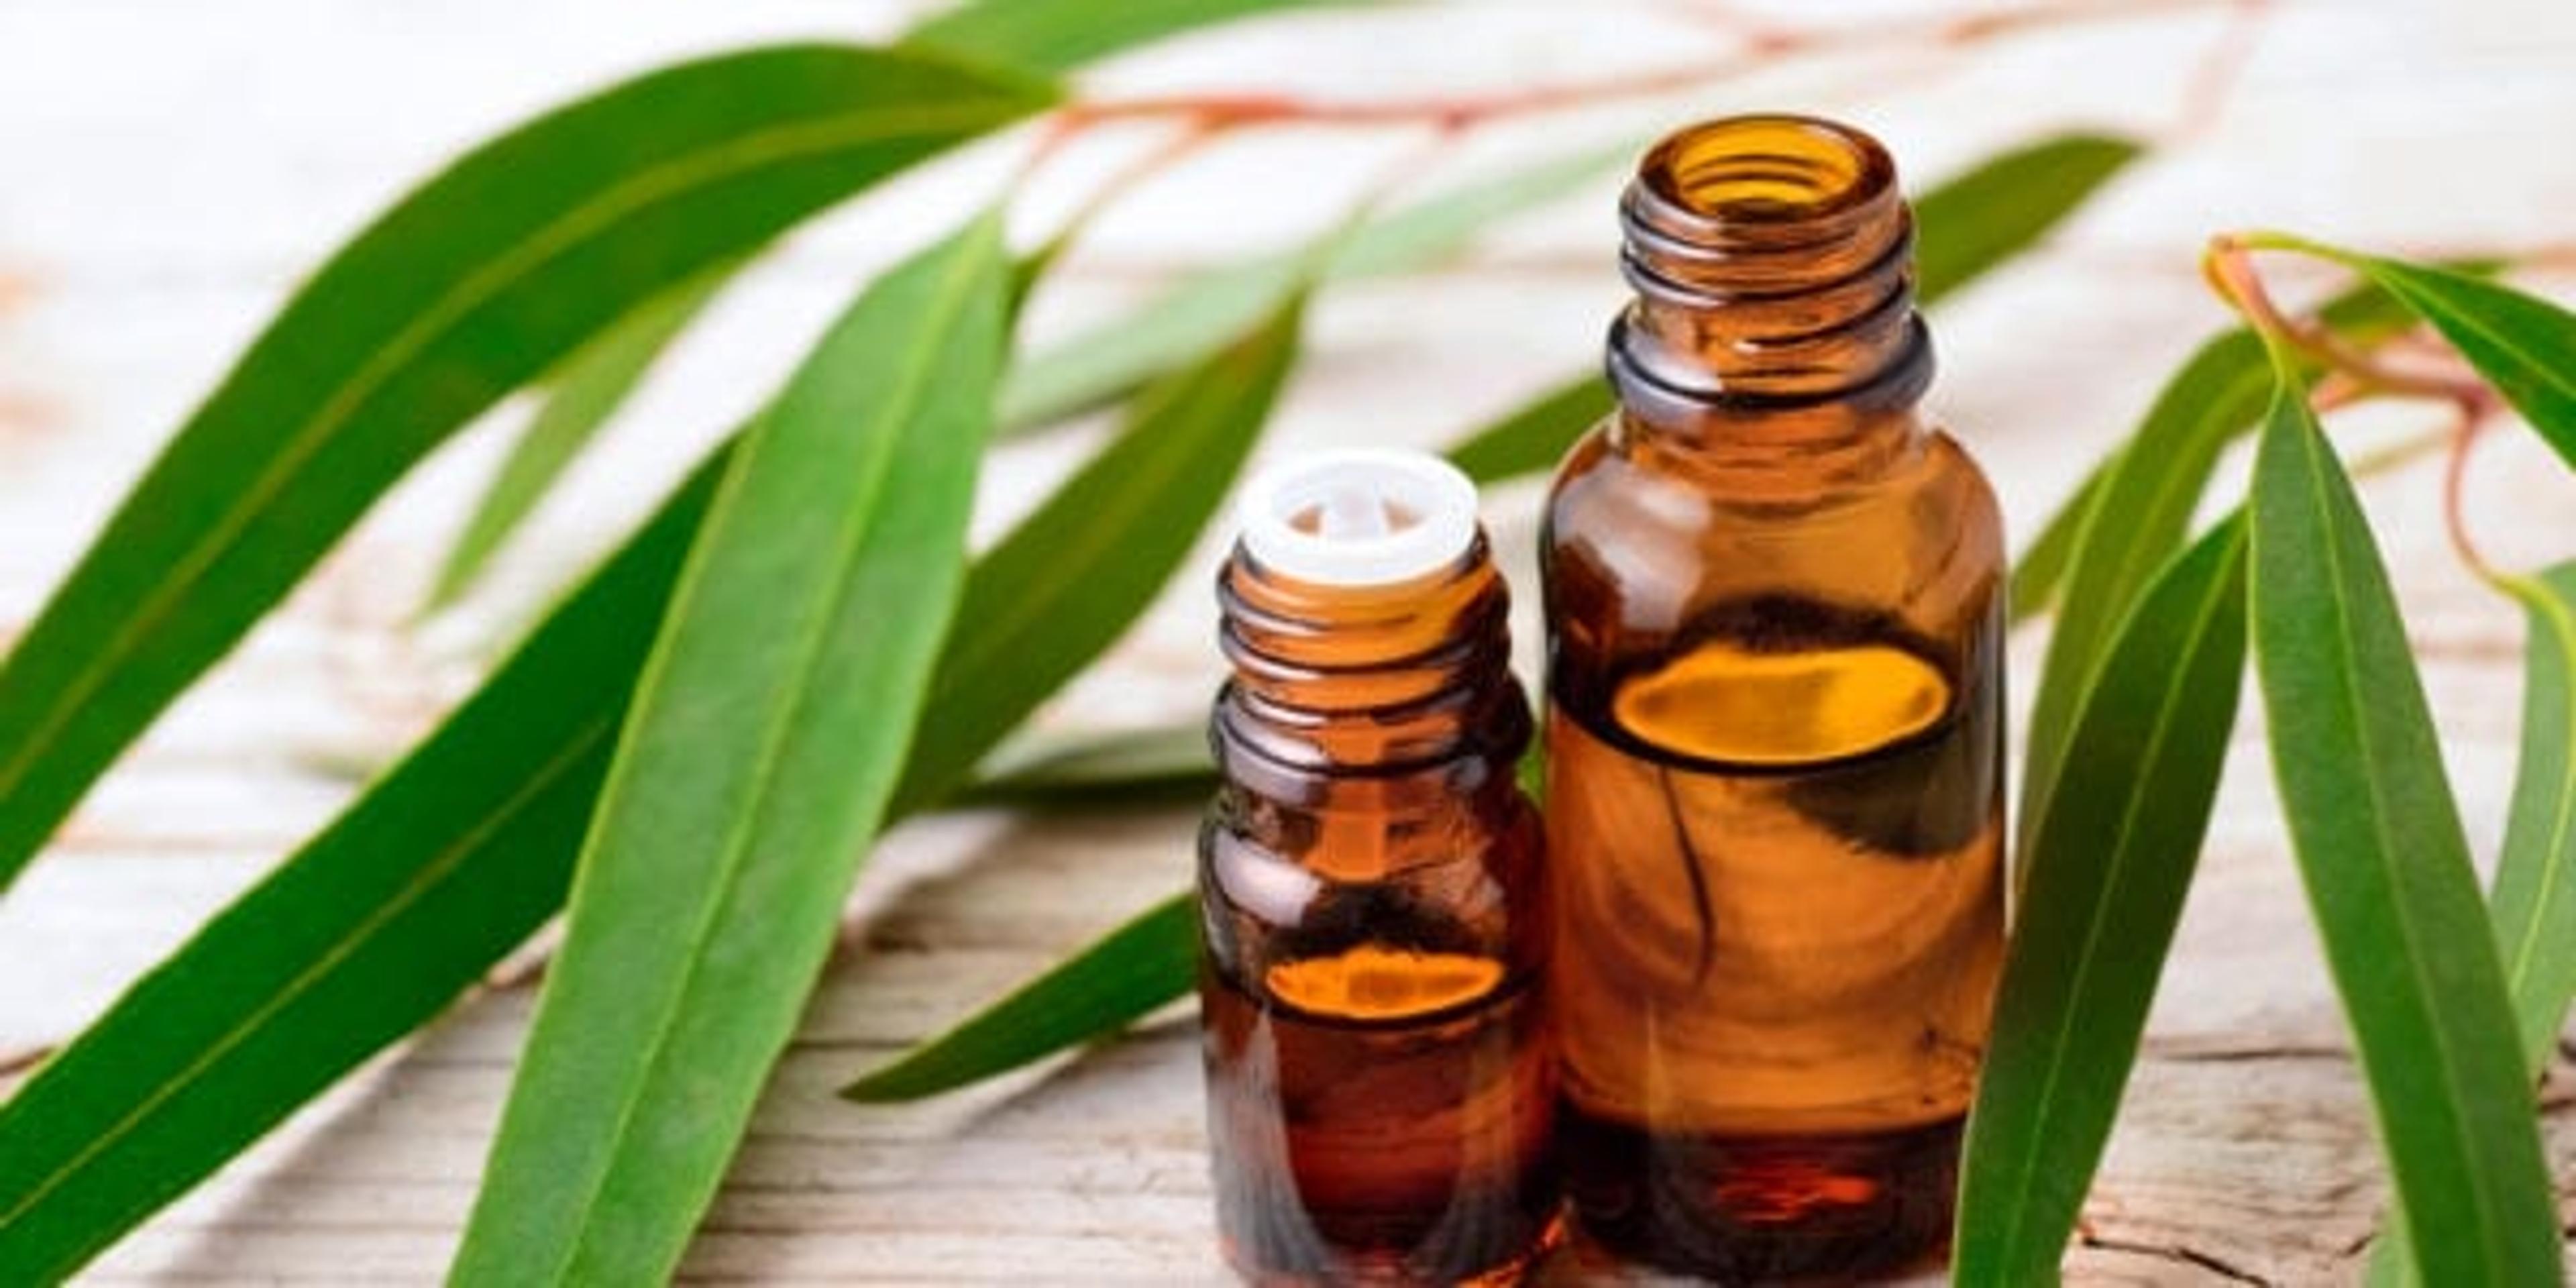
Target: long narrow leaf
<point x="1139" y="764"/>
<point x="1535" y="435"/>
<point x="581" y="398"/>
<point x="482" y="279"/>
<point x="2040" y="572"/>
<point x="2534" y="901"/>
<point x="2145" y="498"/>
<point x="767" y="733"/>
<point x="1963" y="228"/>
<point x="1109" y="986"/>
<point x="2007" y="203"/>
<point x="2535" y="884"/>
<point x="1070" y="579"/>
<point x="1059" y="35"/>
<point x="2524" y="345"/>
<point x="443" y="867"/>
<point x="2102" y="888"/>
<point x="319" y="967"/>
<point x="2387" y="870"/>
<point x="422" y="886"/>
<point x="1210" y="310"/>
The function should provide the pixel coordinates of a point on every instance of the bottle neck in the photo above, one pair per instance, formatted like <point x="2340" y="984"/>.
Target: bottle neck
<point x="1406" y="688"/>
<point x="1774" y="320"/>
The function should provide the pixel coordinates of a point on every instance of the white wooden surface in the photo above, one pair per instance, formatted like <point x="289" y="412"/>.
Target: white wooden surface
<point x="166" y="172"/>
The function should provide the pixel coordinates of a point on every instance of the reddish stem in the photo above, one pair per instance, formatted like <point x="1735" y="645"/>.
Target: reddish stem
<point x="1231" y="111"/>
<point x="2352" y="374"/>
<point x="2229" y="266"/>
<point x="2473" y="413"/>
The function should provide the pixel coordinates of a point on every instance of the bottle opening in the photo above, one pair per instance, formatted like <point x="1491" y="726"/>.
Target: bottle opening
<point x="1767" y="170"/>
<point x="1359" y="517"/>
<point x="1773" y="260"/>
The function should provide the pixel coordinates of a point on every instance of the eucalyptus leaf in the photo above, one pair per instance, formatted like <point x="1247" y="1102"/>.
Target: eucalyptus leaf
<point x="480" y="280"/>
<point x="1207" y="311"/>
<point x="375" y="925"/>
<point x="1069" y="580"/>
<point x="2387" y="870"/>
<point x="2040" y="572"/>
<point x="2524" y="345"/>
<point x="1152" y="763"/>
<point x="2146" y="494"/>
<point x="2102" y="889"/>
<point x="1537" y="434"/>
<point x="2534" y="900"/>
<point x="1115" y="982"/>
<point x="2005" y="204"/>
<point x="2534" y="903"/>
<point x="418" y="889"/>
<point x="1963" y="228"/>
<point x="580" y="399"/>
<point x="1060" y="35"/>
<point x="768" y="731"/>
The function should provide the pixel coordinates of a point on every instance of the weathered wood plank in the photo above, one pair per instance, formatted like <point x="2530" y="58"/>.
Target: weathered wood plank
<point x="2244" y="1153"/>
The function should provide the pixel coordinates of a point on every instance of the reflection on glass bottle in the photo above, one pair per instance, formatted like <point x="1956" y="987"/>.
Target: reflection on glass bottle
<point x="1774" y="602"/>
<point x="1379" y="1087"/>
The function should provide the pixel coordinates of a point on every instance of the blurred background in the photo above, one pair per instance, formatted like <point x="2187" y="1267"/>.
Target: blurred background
<point x="168" y="172"/>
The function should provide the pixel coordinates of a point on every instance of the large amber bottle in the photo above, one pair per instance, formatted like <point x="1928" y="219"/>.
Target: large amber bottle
<point x="1379" y="1088"/>
<point x="1775" y="757"/>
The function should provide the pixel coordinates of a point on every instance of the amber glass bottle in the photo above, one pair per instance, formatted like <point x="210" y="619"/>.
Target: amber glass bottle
<point x="1775" y="757"/>
<point x="1378" y="1079"/>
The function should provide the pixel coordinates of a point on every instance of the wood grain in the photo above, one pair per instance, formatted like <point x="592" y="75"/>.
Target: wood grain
<point x="165" y="174"/>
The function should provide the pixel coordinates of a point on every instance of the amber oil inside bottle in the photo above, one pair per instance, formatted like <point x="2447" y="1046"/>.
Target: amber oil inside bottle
<point x="1774" y="735"/>
<point x="1379" y="1088"/>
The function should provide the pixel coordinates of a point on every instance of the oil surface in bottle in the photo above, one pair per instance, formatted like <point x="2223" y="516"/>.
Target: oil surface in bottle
<point x="1776" y="860"/>
<point x="1388" y="1115"/>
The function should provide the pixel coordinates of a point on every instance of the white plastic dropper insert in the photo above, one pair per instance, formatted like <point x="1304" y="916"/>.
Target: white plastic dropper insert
<point x="1359" y="517"/>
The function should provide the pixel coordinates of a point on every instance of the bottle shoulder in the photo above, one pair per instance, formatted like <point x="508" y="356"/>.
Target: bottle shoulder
<point x="1642" y="554"/>
<point x="1610" y="483"/>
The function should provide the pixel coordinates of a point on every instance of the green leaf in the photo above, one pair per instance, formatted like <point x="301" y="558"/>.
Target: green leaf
<point x="373" y="927"/>
<point x="2387" y="870"/>
<point x="2524" y="345"/>
<point x="1963" y="228"/>
<point x="1069" y="580"/>
<point x="480" y="280"/>
<point x="1060" y="35"/>
<point x="1209" y="310"/>
<point x="1139" y="764"/>
<point x="767" y="734"/>
<point x="422" y="886"/>
<point x="1123" y="978"/>
<point x="588" y="390"/>
<point x="2535" y="885"/>
<point x="1537" y="435"/>
<point x="2006" y="204"/>
<point x="2534" y="901"/>
<point x="2041" y="570"/>
<point x="2103" y="883"/>
<point x="2144" y="499"/>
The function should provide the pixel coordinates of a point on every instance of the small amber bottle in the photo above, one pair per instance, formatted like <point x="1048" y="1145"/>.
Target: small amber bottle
<point x="1378" y="1080"/>
<point x="1775" y="757"/>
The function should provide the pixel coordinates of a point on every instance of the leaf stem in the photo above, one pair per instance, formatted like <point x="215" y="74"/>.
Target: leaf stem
<point x="1756" y="46"/>
<point x="2353" y="373"/>
<point x="2228" y="265"/>
<point x="2472" y="415"/>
